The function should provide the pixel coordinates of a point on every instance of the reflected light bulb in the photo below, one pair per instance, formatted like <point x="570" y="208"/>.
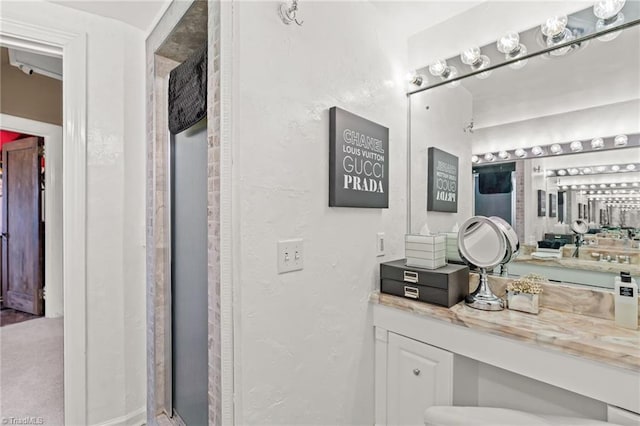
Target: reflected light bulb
<point x="597" y="143"/>
<point x="620" y="141"/>
<point x="615" y="168"/>
<point x="537" y="151"/>
<point x="489" y="156"/>
<point x="576" y="146"/>
<point x="474" y="159"/>
<point x="504" y="155"/>
<point x="561" y="172"/>
<point x="555" y="149"/>
<point x="631" y="166"/>
<point x="520" y="153"/>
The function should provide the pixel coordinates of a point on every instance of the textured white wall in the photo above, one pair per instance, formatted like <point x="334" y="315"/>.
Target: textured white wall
<point x="304" y="340"/>
<point x="115" y="205"/>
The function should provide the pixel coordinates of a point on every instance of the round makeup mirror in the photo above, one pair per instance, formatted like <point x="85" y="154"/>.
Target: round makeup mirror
<point x="580" y="227"/>
<point x="483" y="244"/>
<point x="513" y="243"/>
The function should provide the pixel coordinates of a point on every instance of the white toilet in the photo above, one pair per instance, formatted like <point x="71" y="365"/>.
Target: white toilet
<point x="489" y="416"/>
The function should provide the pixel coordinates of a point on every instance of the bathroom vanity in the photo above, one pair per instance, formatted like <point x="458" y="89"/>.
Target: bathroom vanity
<point x="568" y="356"/>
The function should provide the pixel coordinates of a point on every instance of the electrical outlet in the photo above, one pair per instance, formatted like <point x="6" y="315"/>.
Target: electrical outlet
<point x="380" y="244"/>
<point x="290" y="255"/>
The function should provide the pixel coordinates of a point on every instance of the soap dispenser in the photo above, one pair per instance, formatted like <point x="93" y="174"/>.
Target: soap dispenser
<point x="626" y="301"/>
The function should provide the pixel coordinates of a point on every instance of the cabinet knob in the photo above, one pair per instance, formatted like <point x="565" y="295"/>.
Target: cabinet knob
<point x="416" y="371"/>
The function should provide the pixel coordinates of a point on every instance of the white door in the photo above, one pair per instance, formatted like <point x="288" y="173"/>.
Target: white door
<point x="418" y="376"/>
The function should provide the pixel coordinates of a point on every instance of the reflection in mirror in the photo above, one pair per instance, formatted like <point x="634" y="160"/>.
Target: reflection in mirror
<point x="552" y="142"/>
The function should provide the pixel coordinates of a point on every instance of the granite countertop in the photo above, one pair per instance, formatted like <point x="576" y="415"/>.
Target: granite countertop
<point x="587" y="265"/>
<point x="579" y="335"/>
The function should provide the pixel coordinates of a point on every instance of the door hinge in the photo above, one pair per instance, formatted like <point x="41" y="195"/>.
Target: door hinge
<point x="41" y="293"/>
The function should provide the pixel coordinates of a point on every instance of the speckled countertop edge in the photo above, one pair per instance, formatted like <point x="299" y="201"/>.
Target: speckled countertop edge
<point x="579" y="335"/>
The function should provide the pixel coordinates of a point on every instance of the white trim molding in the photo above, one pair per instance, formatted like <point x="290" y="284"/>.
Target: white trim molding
<point x="73" y="49"/>
<point x="228" y="226"/>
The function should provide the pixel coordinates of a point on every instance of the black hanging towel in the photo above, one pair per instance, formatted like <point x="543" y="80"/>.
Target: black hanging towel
<point x="188" y="92"/>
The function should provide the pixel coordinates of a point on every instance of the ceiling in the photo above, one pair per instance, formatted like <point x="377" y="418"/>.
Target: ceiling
<point x="140" y="14"/>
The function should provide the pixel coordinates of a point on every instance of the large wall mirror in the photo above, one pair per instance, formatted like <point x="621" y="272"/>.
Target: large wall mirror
<point x="542" y="143"/>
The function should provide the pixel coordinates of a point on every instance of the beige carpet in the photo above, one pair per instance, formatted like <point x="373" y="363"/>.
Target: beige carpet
<point x="31" y="362"/>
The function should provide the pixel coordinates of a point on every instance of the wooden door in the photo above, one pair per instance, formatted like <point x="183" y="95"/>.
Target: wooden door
<point x="22" y="229"/>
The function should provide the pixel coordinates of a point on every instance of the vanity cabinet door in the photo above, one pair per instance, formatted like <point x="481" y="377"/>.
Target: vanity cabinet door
<point x="418" y="376"/>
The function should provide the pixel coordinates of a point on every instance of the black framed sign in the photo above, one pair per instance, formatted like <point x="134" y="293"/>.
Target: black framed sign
<point x="552" y="205"/>
<point x="442" y="181"/>
<point x="358" y="161"/>
<point x="542" y="202"/>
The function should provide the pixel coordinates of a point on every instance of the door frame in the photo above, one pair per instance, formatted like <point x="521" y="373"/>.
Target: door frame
<point x="72" y="48"/>
<point x="52" y="134"/>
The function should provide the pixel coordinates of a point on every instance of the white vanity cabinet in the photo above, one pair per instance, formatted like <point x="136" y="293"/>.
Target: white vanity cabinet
<point x="410" y="376"/>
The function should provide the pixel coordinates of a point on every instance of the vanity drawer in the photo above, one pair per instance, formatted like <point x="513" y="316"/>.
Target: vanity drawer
<point x="416" y="292"/>
<point x="444" y="278"/>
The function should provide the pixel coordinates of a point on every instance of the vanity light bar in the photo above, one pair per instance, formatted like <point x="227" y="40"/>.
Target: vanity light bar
<point x="594" y="170"/>
<point x="600" y="186"/>
<point x="565" y="148"/>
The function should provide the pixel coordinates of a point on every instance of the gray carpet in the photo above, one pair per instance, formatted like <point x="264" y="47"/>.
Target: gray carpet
<point x="31" y="363"/>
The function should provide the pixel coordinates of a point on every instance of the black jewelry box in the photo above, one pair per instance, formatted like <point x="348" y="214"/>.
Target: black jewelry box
<point x="444" y="286"/>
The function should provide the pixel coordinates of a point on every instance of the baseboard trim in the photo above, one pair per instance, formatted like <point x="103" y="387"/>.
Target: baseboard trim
<point x="134" y="418"/>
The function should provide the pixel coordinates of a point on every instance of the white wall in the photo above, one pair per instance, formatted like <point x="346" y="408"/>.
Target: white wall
<point x="441" y="126"/>
<point x="115" y="205"/>
<point x="582" y="124"/>
<point x="304" y="340"/>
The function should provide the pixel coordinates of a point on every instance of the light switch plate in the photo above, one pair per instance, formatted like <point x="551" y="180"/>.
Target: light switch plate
<point x="380" y="244"/>
<point x="290" y="255"/>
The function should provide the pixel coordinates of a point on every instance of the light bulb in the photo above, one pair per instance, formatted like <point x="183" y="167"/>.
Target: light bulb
<point x="635" y="184"/>
<point x="504" y="155"/>
<point x="474" y="159"/>
<point x="438" y="68"/>
<point x="631" y="167"/>
<point x="592" y="186"/>
<point x="600" y="169"/>
<point x="613" y="185"/>
<point x="597" y="143"/>
<point x="537" y="151"/>
<point x="607" y="9"/>
<point x="554" y="26"/>
<point x="417" y="79"/>
<point x="565" y="187"/>
<point x="620" y="141"/>
<point x="550" y="173"/>
<point x="602" y="185"/>
<point x="556" y="149"/>
<point x="615" y="168"/>
<point x="576" y="146"/>
<point x="623" y="185"/>
<point x="587" y="170"/>
<point x="562" y="172"/>
<point x="470" y="56"/>
<point x="574" y="186"/>
<point x="520" y="153"/>
<point x="573" y="171"/>
<point x="489" y="156"/>
<point x="508" y="42"/>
